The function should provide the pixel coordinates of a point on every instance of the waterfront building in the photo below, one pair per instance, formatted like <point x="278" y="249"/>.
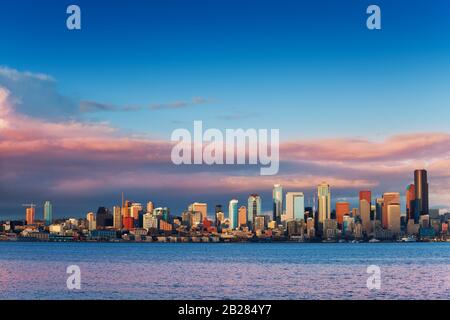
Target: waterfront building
<point x="233" y="213"/>
<point x="393" y="218"/>
<point x="30" y="215"/>
<point x="48" y="213"/>
<point x="295" y="206"/>
<point x="410" y="202"/>
<point x="277" y="197"/>
<point x="260" y="223"/>
<point x="200" y="207"/>
<point x="117" y="217"/>
<point x="150" y="206"/>
<point x="242" y="216"/>
<point x="90" y="217"/>
<point x="253" y="209"/>
<point x="342" y="208"/>
<point x="388" y="199"/>
<point x="421" y="188"/>
<point x="324" y="202"/>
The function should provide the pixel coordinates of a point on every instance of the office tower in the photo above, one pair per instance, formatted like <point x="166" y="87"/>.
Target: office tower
<point x="117" y="216"/>
<point x="200" y="207"/>
<point x="126" y="209"/>
<point x="295" y="206"/>
<point x="277" y="196"/>
<point x="135" y="209"/>
<point x="148" y="221"/>
<point x="242" y="216"/>
<point x="260" y="223"/>
<point x="90" y="217"/>
<point x="128" y="223"/>
<point x="342" y="208"/>
<point x="324" y="202"/>
<point x="48" y="213"/>
<point x="393" y="217"/>
<point x="378" y="209"/>
<point x="410" y="201"/>
<point x="233" y="213"/>
<point x="30" y="214"/>
<point x="365" y="204"/>
<point x="220" y="218"/>
<point x="150" y="207"/>
<point x="254" y="208"/>
<point x="104" y="218"/>
<point x="218" y="208"/>
<point x="388" y="199"/>
<point x="421" y="186"/>
<point x="164" y="213"/>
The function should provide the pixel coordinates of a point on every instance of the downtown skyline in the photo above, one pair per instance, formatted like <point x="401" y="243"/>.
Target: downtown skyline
<point x="85" y="116"/>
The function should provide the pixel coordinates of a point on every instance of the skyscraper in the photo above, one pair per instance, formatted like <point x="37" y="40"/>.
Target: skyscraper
<point x="90" y="217"/>
<point x="104" y="218"/>
<point x="365" y="204"/>
<point x="233" y="213"/>
<point x="295" y="206"/>
<point x="48" y="213"/>
<point x="200" y="207"/>
<point x="277" y="196"/>
<point x="30" y="213"/>
<point x="117" y="215"/>
<point x="410" y="202"/>
<point x="324" y="201"/>
<point x="388" y="199"/>
<point x="393" y="218"/>
<point x="421" y="201"/>
<point x="253" y="209"/>
<point x="342" y="208"/>
<point x="242" y="216"/>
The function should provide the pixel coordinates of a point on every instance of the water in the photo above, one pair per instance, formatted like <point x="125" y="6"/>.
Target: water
<point x="224" y="271"/>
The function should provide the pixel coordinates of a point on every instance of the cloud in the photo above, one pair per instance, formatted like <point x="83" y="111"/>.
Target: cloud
<point x="36" y="94"/>
<point x="87" y="106"/>
<point x="180" y="104"/>
<point x="80" y="163"/>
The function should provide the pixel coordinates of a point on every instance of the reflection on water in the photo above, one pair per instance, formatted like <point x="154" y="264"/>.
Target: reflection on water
<point x="224" y="271"/>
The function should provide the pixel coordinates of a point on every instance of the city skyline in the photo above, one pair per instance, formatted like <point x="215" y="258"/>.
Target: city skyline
<point x="87" y="115"/>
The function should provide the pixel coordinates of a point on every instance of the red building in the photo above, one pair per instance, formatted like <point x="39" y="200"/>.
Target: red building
<point x="365" y="195"/>
<point x="128" y="223"/>
<point x="342" y="208"/>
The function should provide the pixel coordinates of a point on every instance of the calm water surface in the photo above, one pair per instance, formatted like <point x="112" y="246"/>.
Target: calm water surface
<point x="224" y="271"/>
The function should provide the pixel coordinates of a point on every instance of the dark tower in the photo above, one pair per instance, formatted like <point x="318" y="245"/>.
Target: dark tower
<point x="421" y="201"/>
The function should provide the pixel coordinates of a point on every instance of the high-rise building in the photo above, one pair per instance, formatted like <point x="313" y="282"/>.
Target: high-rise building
<point x="410" y="201"/>
<point x="48" y="213"/>
<point x="135" y="209"/>
<point x="90" y="217"/>
<point x="128" y="223"/>
<point x="421" y="186"/>
<point x="150" y="207"/>
<point x="277" y="196"/>
<point x="365" y="205"/>
<point x="233" y="213"/>
<point x="242" y="216"/>
<point x="253" y="209"/>
<point x="117" y="216"/>
<point x="104" y="218"/>
<point x="30" y="214"/>
<point x="393" y="217"/>
<point x="295" y="206"/>
<point x="388" y="199"/>
<point x="342" y="208"/>
<point x="324" y="202"/>
<point x="200" y="207"/>
<point x="378" y="209"/>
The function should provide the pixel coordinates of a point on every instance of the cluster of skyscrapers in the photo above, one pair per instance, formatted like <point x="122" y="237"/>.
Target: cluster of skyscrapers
<point x="372" y="218"/>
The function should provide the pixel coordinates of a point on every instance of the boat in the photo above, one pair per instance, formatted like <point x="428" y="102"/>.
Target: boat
<point x="409" y="239"/>
<point x="374" y="240"/>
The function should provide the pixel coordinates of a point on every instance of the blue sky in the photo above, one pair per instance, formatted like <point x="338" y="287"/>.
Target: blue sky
<point x="309" y="68"/>
<point x="283" y="64"/>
